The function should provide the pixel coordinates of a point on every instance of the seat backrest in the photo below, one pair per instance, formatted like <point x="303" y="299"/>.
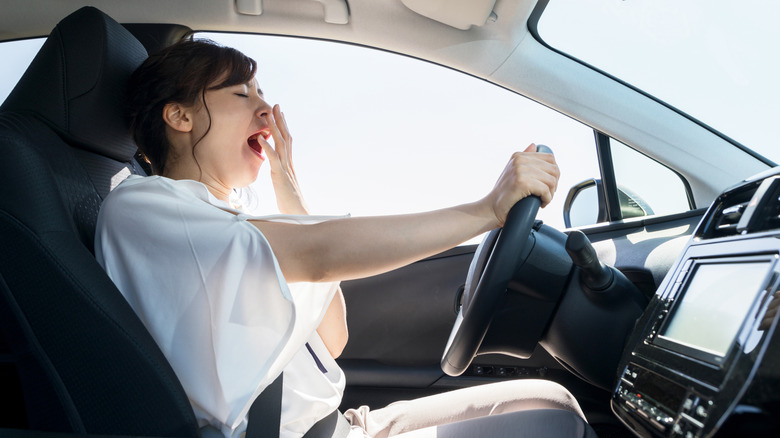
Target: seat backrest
<point x="84" y="361"/>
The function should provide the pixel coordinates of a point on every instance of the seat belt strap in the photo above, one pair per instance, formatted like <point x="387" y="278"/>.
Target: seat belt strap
<point x="333" y="425"/>
<point x="264" y="416"/>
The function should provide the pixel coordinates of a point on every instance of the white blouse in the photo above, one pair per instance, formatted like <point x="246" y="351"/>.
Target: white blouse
<point x="207" y="286"/>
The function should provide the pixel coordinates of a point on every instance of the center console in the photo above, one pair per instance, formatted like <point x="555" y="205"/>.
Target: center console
<point x="703" y="359"/>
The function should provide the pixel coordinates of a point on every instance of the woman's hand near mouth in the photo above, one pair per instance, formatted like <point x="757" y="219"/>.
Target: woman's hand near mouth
<point x="289" y="198"/>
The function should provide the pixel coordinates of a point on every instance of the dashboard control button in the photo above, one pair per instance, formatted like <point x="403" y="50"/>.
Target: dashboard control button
<point x="690" y="403"/>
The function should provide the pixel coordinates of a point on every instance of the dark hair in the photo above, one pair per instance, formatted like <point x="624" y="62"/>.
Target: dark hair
<point x="180" y="73"/>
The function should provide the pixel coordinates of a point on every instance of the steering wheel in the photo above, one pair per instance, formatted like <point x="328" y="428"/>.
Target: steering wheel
<point x="493" y="266"/>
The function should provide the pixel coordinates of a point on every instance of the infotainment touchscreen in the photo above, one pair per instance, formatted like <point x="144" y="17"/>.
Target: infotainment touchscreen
<point x="716" y="300"/>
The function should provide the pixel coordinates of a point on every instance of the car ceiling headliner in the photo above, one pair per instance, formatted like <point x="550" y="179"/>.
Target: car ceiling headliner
<point x="385" y="24"/>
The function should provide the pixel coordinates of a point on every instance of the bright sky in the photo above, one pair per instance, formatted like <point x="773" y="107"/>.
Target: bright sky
<point x="387" y="134"/>
<point x="379" y="133"/>
<point x="715" y="59"/>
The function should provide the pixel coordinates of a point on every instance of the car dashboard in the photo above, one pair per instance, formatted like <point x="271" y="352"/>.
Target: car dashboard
<point x="703" y="358"/>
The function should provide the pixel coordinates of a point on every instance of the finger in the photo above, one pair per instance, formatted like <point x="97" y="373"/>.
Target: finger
<point x="549" y="165"/>
<point x="546" y="156"/>
<point x="281" y="122"/>
<point x="772" y="307"/>
<point x="542" y="187"/>
<point x="766" y="321"/>
<point x="270" y="151"/>
<point x="547" y="170"/>
<point x="285" y="130"/>
<point x="279" y="141"/>
<point x="281" y="135"/>
<point x="530" y="169"/>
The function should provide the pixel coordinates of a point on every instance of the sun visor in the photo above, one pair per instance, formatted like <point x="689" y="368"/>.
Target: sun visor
<point x="460" y="14"/>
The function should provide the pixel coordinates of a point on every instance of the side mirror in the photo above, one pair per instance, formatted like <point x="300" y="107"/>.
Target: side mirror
<point x="585" y="204"/>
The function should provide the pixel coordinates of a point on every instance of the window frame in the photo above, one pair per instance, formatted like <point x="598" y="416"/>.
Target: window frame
<point x="609" y="182"/>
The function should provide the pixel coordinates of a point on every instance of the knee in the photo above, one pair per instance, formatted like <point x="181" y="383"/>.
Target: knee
<point x="538" y="394"/>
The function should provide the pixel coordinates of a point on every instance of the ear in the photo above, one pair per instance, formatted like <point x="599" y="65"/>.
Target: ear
<point x="178" y="117"/>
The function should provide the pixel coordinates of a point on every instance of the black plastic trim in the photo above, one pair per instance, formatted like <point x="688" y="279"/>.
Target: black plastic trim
<point x="608" y="181"/>
<point x="641" y="222"/>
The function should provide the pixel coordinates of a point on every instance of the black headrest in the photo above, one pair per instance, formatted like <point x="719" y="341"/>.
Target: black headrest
<point x="77" y="83"/>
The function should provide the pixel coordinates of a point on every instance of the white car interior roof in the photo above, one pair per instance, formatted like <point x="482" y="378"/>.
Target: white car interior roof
<point x="385" y="24"/>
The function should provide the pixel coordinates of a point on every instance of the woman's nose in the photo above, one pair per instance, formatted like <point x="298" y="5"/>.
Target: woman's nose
<point x="263" y="110"/>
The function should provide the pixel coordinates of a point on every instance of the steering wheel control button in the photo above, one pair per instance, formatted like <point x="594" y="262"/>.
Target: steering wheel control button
<point x="483" y="371"/>
<point x="506" y="372"/>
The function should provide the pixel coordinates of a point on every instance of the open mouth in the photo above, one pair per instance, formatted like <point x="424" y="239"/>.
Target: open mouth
<point x="255" y="145"/>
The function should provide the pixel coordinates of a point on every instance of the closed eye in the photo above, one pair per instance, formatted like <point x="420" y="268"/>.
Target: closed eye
<point x="241" y="94"/>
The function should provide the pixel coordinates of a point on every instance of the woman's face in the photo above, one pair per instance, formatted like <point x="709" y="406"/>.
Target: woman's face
<point x="229" y="154"/>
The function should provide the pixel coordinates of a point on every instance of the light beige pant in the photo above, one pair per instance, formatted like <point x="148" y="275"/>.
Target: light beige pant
<point x="420" y="417"/>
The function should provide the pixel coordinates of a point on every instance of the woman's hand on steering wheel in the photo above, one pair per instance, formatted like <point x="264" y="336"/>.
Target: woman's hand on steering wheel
<point x="528" y="181"/>
<point x="527" y="173"/>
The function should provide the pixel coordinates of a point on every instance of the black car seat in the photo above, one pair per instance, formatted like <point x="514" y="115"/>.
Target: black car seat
<point x="73" y="355"/>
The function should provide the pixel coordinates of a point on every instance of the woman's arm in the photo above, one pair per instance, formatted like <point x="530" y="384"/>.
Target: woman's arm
<point x="333" y="328"/>
<point x="359" y="247"/>
<point x="289" y="199"/>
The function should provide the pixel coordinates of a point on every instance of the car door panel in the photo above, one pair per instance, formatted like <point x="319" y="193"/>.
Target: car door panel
<point x="400" y="321"/>
<point x="416" y="302"/>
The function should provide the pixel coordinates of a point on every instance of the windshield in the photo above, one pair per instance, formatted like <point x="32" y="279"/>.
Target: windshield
<point x="714" y="60"/>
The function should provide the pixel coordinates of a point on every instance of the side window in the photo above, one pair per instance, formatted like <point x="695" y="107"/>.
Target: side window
<point x="16" y="56"/>
<point x="379" y="133"/>
<point x="645" y="186"/>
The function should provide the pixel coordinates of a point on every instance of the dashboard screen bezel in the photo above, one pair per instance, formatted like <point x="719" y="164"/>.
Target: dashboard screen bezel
<point x="748" y="321"/>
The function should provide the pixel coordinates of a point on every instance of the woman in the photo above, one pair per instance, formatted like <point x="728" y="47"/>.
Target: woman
<point x="234" y="300"/>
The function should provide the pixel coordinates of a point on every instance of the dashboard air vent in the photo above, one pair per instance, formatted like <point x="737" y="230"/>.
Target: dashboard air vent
<point x="729" y="218"/>
<point x="763" y="211"/>
<point x="727" y="211"/>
